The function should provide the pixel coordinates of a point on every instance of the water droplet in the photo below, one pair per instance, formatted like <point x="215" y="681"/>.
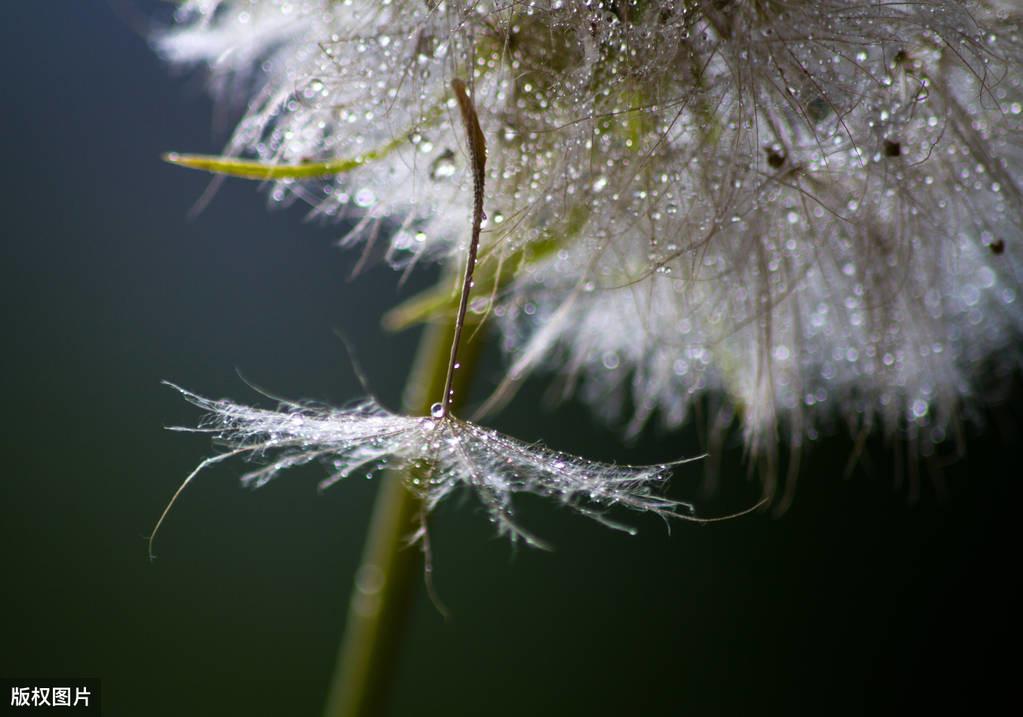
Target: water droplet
<point x="437" y="410"/>
<point x="920" y="408"/>
<point x="365" y="198"/>
<point x="444" y="166"/>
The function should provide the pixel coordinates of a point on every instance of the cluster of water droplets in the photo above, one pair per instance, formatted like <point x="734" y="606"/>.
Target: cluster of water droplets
<point x="827" y="229"/>
<point x="812" y="207"/>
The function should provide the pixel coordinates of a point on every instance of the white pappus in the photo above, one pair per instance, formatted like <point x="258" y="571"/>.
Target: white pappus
<point x="810" y="209"/>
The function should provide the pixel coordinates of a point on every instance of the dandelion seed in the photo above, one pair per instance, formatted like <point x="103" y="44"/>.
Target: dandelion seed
<point x="438" y="453"/>
<point x="437" y="456"/>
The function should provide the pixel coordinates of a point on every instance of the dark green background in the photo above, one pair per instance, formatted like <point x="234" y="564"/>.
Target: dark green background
<point x="855" y="602"/>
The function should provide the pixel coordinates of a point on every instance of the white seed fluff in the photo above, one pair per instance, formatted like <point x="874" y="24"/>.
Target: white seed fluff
<point x="436" y="457"/>
<point x="811" y="208"/>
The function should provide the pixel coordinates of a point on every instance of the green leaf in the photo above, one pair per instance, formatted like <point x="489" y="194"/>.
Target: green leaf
<point x="441" y="300"/>
<point x="251" y="169"/>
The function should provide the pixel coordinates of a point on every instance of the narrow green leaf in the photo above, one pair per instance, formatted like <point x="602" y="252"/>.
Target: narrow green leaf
<point x="440" y="301"/>
<point x="251" y="169"/>
<point x="420" y="308"/>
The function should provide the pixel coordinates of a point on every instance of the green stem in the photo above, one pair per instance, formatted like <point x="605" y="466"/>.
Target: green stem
<point x="386" y="579"/>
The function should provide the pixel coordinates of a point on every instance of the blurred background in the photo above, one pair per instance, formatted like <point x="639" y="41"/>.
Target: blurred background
<point x="857" y="600"/>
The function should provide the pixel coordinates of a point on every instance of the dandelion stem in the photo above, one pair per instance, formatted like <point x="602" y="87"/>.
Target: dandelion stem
<point x="383" y="584"/>
<point x="385" y="581"/>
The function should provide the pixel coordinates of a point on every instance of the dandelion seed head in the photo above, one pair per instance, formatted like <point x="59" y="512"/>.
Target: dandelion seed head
<point x="812" y="209"/>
